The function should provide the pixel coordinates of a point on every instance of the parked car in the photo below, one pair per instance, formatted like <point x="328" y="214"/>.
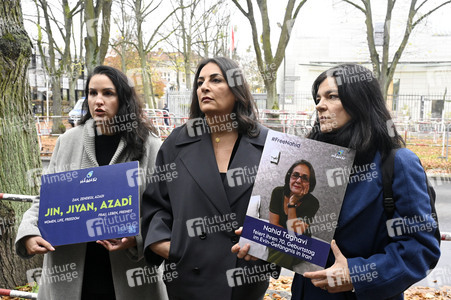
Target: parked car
<point x="76" y="113"/>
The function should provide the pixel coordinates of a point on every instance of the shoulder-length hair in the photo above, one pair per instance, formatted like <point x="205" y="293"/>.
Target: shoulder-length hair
<point x="312" y="178"/>
<point x="370" y="128"/>
<point x="130" y="110"/>
<point x="245" y="108"/>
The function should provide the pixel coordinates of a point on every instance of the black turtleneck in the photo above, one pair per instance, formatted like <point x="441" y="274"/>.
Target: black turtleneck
<point x="97" y="278"/>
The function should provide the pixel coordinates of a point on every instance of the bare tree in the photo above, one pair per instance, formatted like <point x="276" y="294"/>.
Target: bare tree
<point x="76" y="67"/>
<point x="126" y="25"/>
<point x="56" y="70"/>
<point x="176" y="60"/>
<point x="19" y="151"/>
<point x="268" y="64"/>
<point x="96" y="45"/>
<point x="145" y="46"/>
<point x="188" y="22"/>
<point x="250" y="68"/>
<point x="211" y="34"/>
<point x="71" y="65"/>
<point x="384" y="68"/>
<point x="50" y="66"/>
<point x="134" y="46"/>
<point x="202" y="29"/>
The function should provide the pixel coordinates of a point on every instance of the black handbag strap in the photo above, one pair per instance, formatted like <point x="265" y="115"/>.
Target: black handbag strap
<point x="387" y="180"/>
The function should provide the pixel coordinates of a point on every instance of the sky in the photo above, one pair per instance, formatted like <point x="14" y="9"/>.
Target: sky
<point x="325" y="19"/>
<point x="318" y="19"/>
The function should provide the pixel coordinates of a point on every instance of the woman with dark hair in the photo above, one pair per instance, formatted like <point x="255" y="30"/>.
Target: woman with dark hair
<point x="369" y="259"/>
<point x="292" y="207"/>
<point x="366" y="262"/>
<point x="113" y="131"/>
<point x="244" y="109"/>
<point x="358" y="110"/>
<point x="190" y="221"/>
<point x="128" y="123"/>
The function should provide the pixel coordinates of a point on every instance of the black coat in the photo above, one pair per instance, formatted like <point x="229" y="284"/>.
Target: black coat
<point x="202" y="254"/>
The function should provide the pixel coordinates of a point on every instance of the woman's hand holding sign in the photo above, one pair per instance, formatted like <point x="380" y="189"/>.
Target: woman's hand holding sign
<point x="338" y="274"/>
<point x="37" y="245"/>
<point x="242" y="252"/>
<point x="118" y="244"/>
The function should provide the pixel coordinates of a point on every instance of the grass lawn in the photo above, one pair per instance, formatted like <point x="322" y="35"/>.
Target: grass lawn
<point x="430" y="158"/>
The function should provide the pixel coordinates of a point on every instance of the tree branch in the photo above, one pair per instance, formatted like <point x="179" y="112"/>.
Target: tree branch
<point x="284" y="35"/>
<point x="148" y="49"/>
<point x="298" y="9"/>
<point x="266" y="34"/>
<point x="160" y="25"/>
<point x="144" y="14"/>
<point x="356" y="6"/>
<point x="74" y="11"/>
<point x="370" y="38"/>
<point x="246" y="14"/>
<point x="386" y="43"/>
<point x="430" y="12"/>
<point x="402" y="46"/>
<point x="57" y="22"/>
<point x="424" y="2"/>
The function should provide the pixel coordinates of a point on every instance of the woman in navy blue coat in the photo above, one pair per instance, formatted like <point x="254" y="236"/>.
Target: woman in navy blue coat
<point x="372" y="257"/>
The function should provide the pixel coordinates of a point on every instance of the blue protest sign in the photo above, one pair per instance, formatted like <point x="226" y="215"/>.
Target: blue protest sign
<point x="278" y="238"/>
<point x="90" y="204"/>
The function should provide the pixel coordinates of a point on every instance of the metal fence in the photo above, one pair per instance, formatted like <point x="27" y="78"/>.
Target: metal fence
<point x="419" y="119"/>
<point x="432" y="107"/>
<point x="416" y="107"/>
<point x="178" y="103"/>
<point x="421" y="107"/>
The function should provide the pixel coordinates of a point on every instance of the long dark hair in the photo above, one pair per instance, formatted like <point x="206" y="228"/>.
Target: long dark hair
<point x="245" y="108"/>
<point x="129" y="105"/>
<point x="370" y="128"/>
<point x="312" y="178"/>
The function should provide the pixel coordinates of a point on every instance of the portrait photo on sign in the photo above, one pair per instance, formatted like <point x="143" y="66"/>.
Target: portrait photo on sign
<point x="296" y="200"/>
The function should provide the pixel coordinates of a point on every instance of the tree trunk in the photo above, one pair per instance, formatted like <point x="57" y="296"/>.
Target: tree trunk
<point x="72" y="86"/>
<point x="105" y="33"/>
<point x="123" y="62"/>
<point x="186" y="38"/>
<point x="95" y="50"/>
<point x="384" y="70"/>
<point x="91" y="36"/>
<point x="188" y="64"/>
<point x="19" y="151"/>
<point x="146" y="83"/>
<point x="384" y="83"/>
<point x="58" y="126"/>
<point x="154" y="102"/>
<point x="271" y="95"/>
<point x="55" y="74"/>
<point x="142" y="53"/>
<point x="268" y="63"/>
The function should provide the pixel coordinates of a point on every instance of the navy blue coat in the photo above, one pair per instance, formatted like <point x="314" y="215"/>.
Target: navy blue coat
<point x="202" y="260"/>
<point x="382" y="267"/>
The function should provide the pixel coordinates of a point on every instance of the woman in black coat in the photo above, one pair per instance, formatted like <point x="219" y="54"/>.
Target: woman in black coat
<point x="190" y="217"/>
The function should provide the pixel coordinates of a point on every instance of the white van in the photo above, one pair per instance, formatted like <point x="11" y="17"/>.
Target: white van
<point x="77" y="112"/>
